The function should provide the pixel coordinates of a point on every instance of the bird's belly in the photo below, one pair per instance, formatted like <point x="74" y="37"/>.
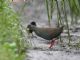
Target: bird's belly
<point x="44" y="37"/>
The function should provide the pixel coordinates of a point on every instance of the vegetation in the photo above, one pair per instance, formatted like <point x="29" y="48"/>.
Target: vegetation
<point x="11" y="41"/>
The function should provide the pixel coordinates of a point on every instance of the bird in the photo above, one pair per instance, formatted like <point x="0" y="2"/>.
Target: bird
<point x="46" y="33"/>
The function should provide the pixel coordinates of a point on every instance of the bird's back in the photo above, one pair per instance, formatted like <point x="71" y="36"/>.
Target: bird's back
<point x="48" y="33"/>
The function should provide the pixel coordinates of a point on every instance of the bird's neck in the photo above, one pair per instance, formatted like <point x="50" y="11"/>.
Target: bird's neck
<point x="33" y="27"/>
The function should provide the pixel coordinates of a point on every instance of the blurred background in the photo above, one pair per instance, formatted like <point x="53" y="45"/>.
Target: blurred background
<point x="15" y="15"/>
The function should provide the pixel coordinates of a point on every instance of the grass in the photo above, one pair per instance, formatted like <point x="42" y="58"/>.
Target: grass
<point x="11" y="45"/>
<point x="8" y="53"/>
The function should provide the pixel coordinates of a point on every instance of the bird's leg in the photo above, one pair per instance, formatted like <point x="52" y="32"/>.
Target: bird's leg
<point x="52" y="43"/>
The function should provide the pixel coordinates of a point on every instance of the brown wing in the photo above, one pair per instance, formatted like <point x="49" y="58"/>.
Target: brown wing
<point x="47" y="32"/>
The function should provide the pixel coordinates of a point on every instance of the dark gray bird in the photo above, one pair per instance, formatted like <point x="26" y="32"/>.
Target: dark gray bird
<point x="47" y="33"/>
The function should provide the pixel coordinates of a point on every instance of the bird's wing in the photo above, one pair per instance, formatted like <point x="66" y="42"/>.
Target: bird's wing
<point x="46" y="32"/>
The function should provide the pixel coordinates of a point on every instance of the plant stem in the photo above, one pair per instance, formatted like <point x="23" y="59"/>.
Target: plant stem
<point x="59" y="17"/>
<point x="48" y="11"/>
<point x="65" y="15"/>
<point x="71" y="13"/>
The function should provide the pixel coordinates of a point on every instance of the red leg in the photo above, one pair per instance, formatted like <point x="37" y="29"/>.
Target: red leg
<point x="52" y="43"/>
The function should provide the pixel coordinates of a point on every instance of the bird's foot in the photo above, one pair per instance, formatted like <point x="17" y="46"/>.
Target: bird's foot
<point x="52" y="43"/>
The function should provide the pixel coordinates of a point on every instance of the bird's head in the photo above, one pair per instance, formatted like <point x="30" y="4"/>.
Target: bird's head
<point x="31" y="26"/>
<point x="29" y="29"/>
<point x="33" y="23"/>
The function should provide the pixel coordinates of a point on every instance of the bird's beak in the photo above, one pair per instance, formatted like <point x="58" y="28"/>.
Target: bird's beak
<point x="27" y="29"/>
